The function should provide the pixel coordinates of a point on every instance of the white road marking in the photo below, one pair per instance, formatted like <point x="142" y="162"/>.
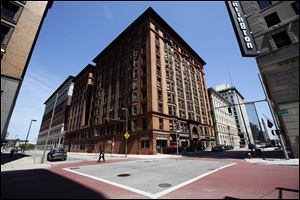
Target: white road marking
<point x="147" y="194"/>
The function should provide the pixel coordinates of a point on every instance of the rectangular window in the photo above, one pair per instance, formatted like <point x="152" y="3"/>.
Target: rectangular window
<point x="161" y="124"/>
<point x="295" y="6"/>
<point x="158" y="82"/>
<point x="145" y="124"/>
<point x="159" y="95"/>
<point x="281" y="39"/>
<point x="160" y="108"/>
<point x="144" y="107"/>
<point x="6" y="31"/>
<point x="171" y="125"/>
<point x="9" y="11"/>
<point x="272" y="19"/>
<point x="145" y="144"/>
<point x="264" y="4"/>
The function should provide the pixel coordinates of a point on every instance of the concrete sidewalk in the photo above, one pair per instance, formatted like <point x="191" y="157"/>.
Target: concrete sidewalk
<point x="29" y="162"/>
<point x="273" y="161"/>
<point x="34" y="161"/>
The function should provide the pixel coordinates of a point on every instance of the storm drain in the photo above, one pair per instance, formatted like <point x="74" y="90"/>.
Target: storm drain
<point x="164" y="185"/>
<point x="123" y="175"/>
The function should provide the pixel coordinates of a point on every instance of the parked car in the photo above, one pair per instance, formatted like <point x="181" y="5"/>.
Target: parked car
<point x="57" y="154"/>
<point x="217" y="148"/>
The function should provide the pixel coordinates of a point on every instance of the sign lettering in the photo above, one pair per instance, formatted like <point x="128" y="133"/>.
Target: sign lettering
<point x="242" y="31"/>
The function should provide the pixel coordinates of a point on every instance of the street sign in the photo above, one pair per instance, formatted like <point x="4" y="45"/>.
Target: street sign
<point x="281" y="112"/>
<point x="126" y="135"/>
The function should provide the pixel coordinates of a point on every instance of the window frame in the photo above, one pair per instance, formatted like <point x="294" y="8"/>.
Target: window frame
<point x="260" y="6"/>
<point x="6" y="39"/>
<point x="281" y="46"/>
<point x="269" y="17"/>
<point x="17" y="15"/>
<point x="295" y="8"/>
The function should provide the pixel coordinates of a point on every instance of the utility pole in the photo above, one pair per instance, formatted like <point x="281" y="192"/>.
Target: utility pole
<point x="126" y="128"/>
<point x="53" y="111"/>
<point x="275" y="120"/>
<point x="33" y="120"/>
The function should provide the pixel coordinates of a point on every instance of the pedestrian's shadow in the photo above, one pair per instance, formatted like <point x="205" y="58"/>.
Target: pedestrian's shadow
<point x="6" y="158"/>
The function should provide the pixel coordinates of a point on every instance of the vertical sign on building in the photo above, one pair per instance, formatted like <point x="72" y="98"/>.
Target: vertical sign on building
<point x="241" y="29"/>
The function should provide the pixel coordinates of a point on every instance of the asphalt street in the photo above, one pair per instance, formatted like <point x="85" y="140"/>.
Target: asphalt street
<point x="197" y="176"/>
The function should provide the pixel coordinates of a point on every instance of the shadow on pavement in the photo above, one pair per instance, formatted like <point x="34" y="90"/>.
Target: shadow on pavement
<point x="5" y="157"/>
<point x="42" y="184"/>
<point x="229" y="197"/>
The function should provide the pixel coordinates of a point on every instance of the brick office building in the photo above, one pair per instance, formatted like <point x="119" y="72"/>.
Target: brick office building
<point x="78" y="132"/>
<point x="150" y="74"/>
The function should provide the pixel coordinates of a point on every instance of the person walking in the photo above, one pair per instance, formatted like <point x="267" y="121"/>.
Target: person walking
<point x="12" y="152"/>
<point x="101" y="154"/>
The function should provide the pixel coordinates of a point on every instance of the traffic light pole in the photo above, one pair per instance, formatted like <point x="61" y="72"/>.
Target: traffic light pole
<point x="286" y="156"/>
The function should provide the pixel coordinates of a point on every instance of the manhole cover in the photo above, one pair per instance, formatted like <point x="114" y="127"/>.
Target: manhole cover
<point x="164" y="185"/>
<point x="75" y="168"/>
<point x="123" y="175"/>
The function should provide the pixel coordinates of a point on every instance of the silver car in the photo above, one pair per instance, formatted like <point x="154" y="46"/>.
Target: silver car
<point x="57" y="154"/>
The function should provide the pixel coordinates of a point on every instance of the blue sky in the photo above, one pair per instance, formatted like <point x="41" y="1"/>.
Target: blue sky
<point x="74" y="33"/>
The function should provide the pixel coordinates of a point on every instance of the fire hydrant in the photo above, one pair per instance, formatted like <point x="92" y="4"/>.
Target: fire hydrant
<point x="249" y="156"/>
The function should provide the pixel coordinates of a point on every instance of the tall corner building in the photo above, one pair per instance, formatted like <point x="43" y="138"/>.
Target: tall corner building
<point x="21" y="22"/>
<point x="152" y="79"/>
<point x="275" y="29"/>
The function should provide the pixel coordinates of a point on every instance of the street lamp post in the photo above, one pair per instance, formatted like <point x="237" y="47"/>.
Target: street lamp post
<point x="126" y="128"/>
<point x="33" y="120"/>
<point x="177" y="131"/>
<point x="15" y="140"/>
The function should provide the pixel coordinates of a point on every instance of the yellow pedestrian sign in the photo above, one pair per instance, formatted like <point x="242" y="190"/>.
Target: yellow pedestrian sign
<point x="126" y="135"/>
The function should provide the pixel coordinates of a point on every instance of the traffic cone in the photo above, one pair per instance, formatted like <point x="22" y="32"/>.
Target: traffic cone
<point x="249" y="156"/>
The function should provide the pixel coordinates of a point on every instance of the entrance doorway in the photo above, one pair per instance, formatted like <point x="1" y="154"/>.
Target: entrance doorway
<point x="160" y="144"/>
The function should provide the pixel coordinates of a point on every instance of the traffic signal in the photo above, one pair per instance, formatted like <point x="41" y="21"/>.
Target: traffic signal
<point x="229" y="110"/>
<point x="270" y="124"/>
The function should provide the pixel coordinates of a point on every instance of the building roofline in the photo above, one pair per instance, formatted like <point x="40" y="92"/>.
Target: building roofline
<point x="69" y="78"/>
<point x="217" y="93"/>
<point x="89" y="66"/>
<point x="149" y="13"/>
<point x="231" y="88"/>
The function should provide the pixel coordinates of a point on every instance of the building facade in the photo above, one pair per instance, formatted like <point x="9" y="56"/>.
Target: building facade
<point x="275" y="29"/>
<point x="21" y="22"/>
<point x="239" y="112"/>
<point x="152" y="79"/>
<point x="60" y="102"/>
<point x="225" y="126"/>
<point x="79" y="136"/>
